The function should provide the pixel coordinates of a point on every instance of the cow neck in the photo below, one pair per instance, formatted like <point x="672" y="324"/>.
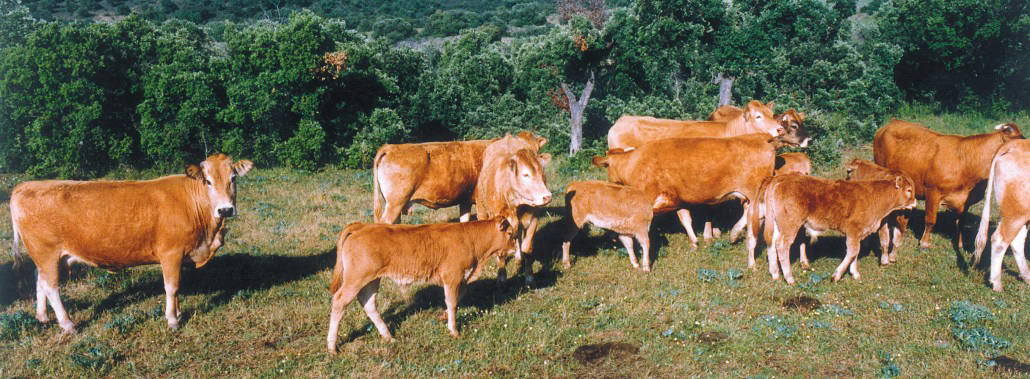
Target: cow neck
<point x="200" y="209"/>
<point x="978" y="150"/>
<point x="738" y="126"/>
<point x="489" y="245"/>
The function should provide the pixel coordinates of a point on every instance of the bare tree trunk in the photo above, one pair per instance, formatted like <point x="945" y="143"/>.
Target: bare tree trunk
<point x="725" y="89"/>
<point x="576" y="108"/>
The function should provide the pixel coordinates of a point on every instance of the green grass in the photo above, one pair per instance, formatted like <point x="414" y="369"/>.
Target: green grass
<point x="260" y="308"/>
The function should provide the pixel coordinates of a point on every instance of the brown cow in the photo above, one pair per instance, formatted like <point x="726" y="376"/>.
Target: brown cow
<point x="1009" y="181"/>
<point x="890" y="233"/>
<point x="119" y="224"/>
<point x="434" y="174"/>
<point x="624" y="210"/>
<point x="726" y="113"/>
<point x="796" y="163"/>
<point x="944" y="167"/>
<point x="449" y="255"/>
<point x="692" y="171"/>
<point x="635" y="131"/>
<point x="512" y="182"/>
<point x="855" y="208"/>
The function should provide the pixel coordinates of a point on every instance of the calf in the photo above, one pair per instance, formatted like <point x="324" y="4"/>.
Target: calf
<point x="621" y="209"/>
<point x="789" y="119"/>
<point x="1009" y="181"/>
<point x="891" y="232"/>
<point x="512" y="182"/>
<point x="120" y="224"/>
<point x="855" y="208"/>
<point x="945" y="168"/>
<point x="793" y="163"/>
<point x="433" y="174"/>
<point x="449" y="255"/>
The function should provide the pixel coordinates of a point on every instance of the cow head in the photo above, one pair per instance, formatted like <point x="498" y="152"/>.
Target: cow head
<point x="791" y="124"/>
<point x="218" y="175"/>
<point x="906" y="192"/>
<point x="532" y="139"/>
<point x="1009" y="131"/>
<point x="508" y="226"/>
<point x="851" y="167"/>
<point x="760" y="116"/>
<point x="528" y="186"/>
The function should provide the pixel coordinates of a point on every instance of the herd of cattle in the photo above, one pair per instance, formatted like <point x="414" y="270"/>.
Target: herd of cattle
<point x="654" y="166"/>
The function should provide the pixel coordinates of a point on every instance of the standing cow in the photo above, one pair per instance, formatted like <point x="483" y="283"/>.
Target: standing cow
<point x="890" y="233"/>
<point x="855" y="208"/>
<point x="944" y="167"/>
<point x="434" y="174"/>
<point x="695" y="171"/>
<point x="120" y="224"/>
<point x="1009" y="181"/>
<point x="621" y="209"/>
<point x="512" y="182"/>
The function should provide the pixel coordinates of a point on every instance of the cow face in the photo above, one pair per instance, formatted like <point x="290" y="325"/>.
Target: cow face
<point x="506" y="225"/>
<point x="218" y="174"/>
<point x="529" y="186"/>
<point x="1009" y="131"/>
<point x="760" y="116"/>
<point x="906" y="192"/>
<point x="791" y="126"/>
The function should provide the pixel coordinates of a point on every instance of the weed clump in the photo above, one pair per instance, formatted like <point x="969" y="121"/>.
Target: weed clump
<point x="14" y="325"/>
<point x="775" y="326"/>
<point x="890" y="368"/>
<point x="94" y="356"/>
<point x="971" y="331"/>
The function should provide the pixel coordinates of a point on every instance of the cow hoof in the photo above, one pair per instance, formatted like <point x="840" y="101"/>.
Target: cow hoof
<point x="1026" y="279"/>
<point x="43" y="319"/>
<point x="692" y="246"/>
<point x="836" y="278"/>
<point x="893" y="259"/>
<point x="791" y="281"/>
<point x="997" y="287"/>
<point x="566" y="265"/>
<point x="925" y="245"/>
<point x="332" y="351"/>
<point x="805" y="266"/>
<point x="455" y="334"/>
<point x="69" y="331"/>
<point x="648" y="269"/>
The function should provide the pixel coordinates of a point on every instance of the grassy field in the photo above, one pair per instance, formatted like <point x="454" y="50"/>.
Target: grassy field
<point x="260" y="308"/>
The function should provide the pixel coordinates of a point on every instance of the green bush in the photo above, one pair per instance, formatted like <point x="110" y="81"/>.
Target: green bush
<point x="304" y="150"/>
<point x="94" y="356"/>
<point x="17" y="324"/>
<point x="383" y="126"/>
<point x="393" y="29"/>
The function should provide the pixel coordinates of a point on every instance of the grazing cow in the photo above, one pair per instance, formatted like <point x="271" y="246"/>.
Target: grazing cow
<point x="119" y="224"/>
<point x="635" y="131"/>
<point x="449" y="255"/>
<point x="855" y="208"/>
<point x="621" y="209"/>
<point x="793" y="163"/>
<point x="890" y="232"/>
<point x="945" y="168"/>
<point x="1009" y="181"/>
<point x="693" y="171"/>
<point x="512" y="182"/>
<point x="434" y="174"/>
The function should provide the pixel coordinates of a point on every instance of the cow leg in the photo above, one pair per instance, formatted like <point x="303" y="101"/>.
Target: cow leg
<point x="171" y="269"/>
<point x="808" y="239"/>
<point x="688" y="224"/>
<point x="751" y="243"/>
<point x="771" y="235"/>
<point x="566" y="245"/>
<point x="960" y="207"/>
<point x="707" y="233"/>
<point x="41" y="299"/>
<point x="645" y="249"/>
<point x="627" y="241"/>
<point x="853" y="245"/>
<point x="885" y="244"/>
<point x="1018" y="249"/>
<point x="527" y="250"/>
<point x="367" y="297"/>
<point x="933" y="202"/>
<point x="343" y="296"/>
<point x="739" y="226"/>
<point x="48" y="281"/>
<point x="451" y="294"/>
<point x="783" y="253"/>
<point x="896" y="234"/>
<point x="465" y="210"/>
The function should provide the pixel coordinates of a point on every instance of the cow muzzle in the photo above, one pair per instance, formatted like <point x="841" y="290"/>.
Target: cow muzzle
<point x="543" y="200"/>
<point x="226" y="212"/>
<point x="804" y="142"/>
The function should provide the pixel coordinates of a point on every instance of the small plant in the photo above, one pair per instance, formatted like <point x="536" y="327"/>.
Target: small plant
<point x="706" y="275"/>
<point x="890" y="369"/>
<point x="964" y="313"/>
<point x="124" y="322"/>
<point x="981" y="340"/>
<point x="837" y="310"/>
<point x="775" y="326"/>
<point x="14" y="325"/>
<point x="94" y="355"/>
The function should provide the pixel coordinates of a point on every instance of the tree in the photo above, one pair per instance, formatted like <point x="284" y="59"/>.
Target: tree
<point x="576" y="106"/>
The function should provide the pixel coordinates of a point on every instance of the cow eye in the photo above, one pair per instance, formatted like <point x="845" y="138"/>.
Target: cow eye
<point x="207" y="182"/>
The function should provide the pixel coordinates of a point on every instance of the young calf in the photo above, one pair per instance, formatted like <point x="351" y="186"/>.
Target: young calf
<point x="797" y="163"/>
<point x="449" y="254"/>
<point x="1009" y="180"/>
<point x="891" y="232"/>
<point x="624" y="210"/>
<point x="855" y="208"/>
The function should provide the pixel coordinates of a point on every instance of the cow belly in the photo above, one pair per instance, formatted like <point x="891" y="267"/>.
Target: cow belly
<point x="107" y="262"/>
<point x="616" y="224"/>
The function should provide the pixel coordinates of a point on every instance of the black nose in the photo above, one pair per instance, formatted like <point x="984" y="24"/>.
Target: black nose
<point x="226" y="212"/>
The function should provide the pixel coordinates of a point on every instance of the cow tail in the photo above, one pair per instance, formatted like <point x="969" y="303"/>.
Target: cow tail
<point x="377" y="195"/>
<point x="16" y="240"/>
<point x="338" y="269"/>
<point x="985" y="218"/>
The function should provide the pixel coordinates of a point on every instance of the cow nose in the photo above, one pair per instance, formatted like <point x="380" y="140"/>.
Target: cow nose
<point x="547" y="199"/>
<point x="226" y="211"/>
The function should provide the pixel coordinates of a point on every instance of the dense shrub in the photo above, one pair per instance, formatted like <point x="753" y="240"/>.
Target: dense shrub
<point x="381" y="127"/>
<point x="393" y="29"/>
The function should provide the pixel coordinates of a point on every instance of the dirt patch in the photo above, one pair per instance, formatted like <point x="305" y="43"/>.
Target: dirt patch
<point x="802" y="303"/>
<point x="1005" y="363"/>
<point x="712" y="337"/>
<point x="593" y="354"/>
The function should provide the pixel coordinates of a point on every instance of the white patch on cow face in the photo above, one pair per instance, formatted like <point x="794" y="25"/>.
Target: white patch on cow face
<point x="529" y="186"/>
<point x="220" y="183"/>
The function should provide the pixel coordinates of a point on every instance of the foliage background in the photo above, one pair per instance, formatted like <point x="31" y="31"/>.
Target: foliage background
<point x="306" y="84"/>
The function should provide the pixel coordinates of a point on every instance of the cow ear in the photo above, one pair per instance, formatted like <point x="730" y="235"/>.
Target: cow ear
<point x="601" y="162"/>
<point x="503" y="225"/>
<point x="771" y="105"/>
<point x="897" y="181"/>
<point x="242" y="167"/>
<point x="801" y="116"/>
<point x="1009" y="129"/>
<point x="544" y="159"/>
<point x="540" y="142"/>
<point x="194" y="171"/>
